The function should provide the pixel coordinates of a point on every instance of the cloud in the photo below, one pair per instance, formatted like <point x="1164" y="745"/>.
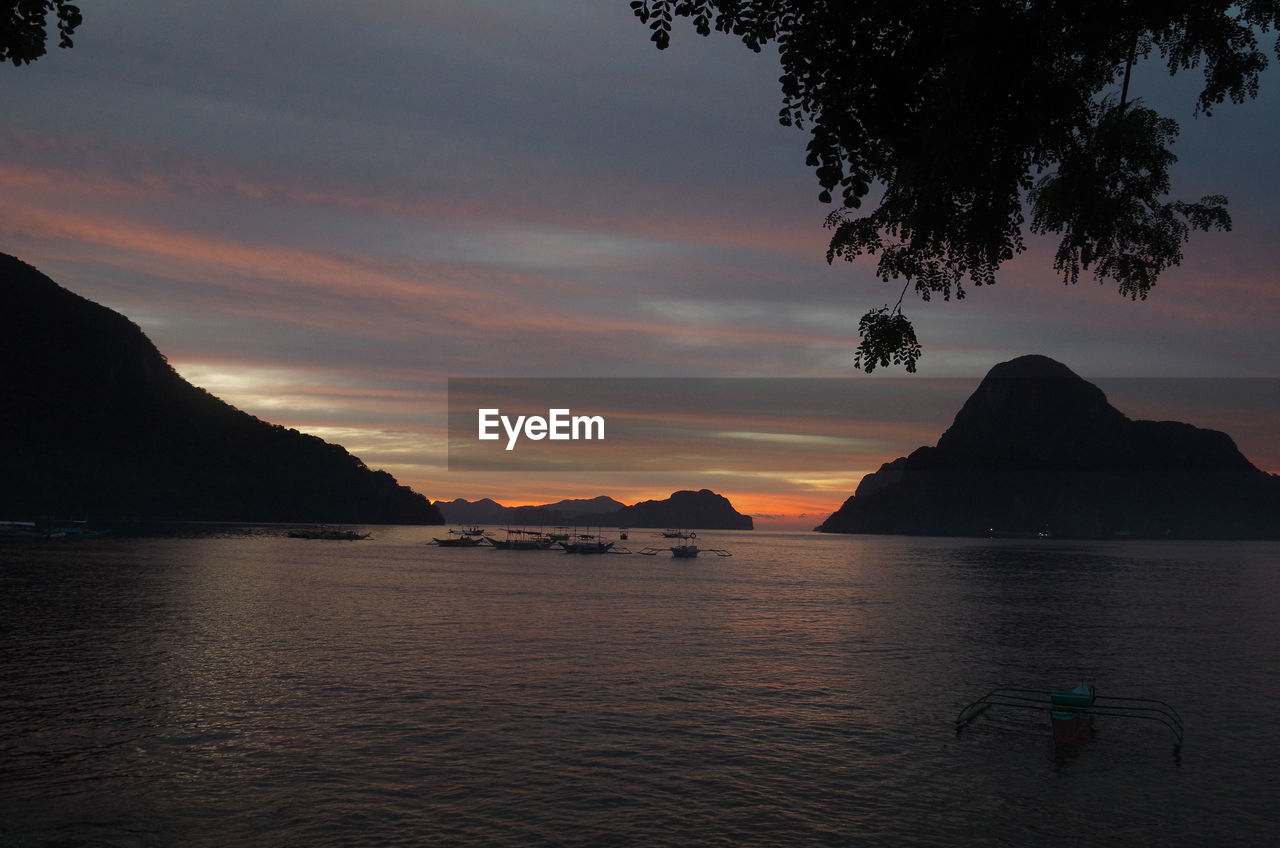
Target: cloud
<point x="324" y="210"/>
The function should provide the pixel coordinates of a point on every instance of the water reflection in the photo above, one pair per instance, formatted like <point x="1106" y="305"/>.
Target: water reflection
<point x="206" y="692"/>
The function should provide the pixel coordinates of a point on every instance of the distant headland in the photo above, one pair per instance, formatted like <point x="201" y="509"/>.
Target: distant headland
<point x="96" y="424"/>
<point x="1036" y="450"/>
<point x="703" y="510"/>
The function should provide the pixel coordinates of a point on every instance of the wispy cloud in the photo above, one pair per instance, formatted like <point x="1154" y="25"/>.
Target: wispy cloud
<point x="324" y="211"/>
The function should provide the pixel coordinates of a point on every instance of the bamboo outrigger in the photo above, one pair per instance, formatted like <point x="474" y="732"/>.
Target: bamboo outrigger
<point x="469" y="537"/>
<point x="1071" y="713"/>
<point x="685" y="548"/>
<point x="586" y="543"/>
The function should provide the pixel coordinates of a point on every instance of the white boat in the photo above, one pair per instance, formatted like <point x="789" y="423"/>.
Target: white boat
<point x="19" y="528"/>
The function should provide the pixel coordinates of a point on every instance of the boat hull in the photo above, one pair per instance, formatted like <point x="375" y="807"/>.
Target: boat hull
<point x="1069" y="716"/>
<point x="586" y="547"/>
<point x="459" y="542"/>
<point x="1071" y="728"/>
<point x="342" y="535"/>
<point x="521" y="544"/>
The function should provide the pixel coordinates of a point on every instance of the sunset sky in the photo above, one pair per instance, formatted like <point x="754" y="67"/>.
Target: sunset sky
<point x="322" y="211"/>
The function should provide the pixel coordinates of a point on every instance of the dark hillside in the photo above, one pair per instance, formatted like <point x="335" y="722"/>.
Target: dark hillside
<point x="95" y="423"/>
<point x="1036" y="449"/>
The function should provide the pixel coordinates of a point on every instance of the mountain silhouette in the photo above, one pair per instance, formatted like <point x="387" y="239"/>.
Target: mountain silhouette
<point x="1037" y="449"/>
<point x="489" y="511"/>
<point x="96" y="424"/>
<point x="704" y="510"/>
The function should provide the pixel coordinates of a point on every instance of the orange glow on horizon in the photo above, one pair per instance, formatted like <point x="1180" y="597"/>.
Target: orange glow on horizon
<point x="787" y="505"/>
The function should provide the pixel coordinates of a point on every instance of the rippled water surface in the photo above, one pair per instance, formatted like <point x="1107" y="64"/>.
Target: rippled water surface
<point x="250" y="689"/>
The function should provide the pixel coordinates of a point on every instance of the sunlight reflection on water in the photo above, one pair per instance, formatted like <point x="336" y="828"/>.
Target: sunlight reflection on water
<point x="260" y="690"/>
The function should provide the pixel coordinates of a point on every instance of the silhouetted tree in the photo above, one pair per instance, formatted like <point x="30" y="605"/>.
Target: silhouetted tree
<point x="23" y="28"/>
<point x="964" y="112"/>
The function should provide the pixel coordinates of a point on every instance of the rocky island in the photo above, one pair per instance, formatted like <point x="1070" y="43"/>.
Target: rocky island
<point x="702" y="510"/>
<point x="1037" y="450"/>
<point x="95" y="423"/>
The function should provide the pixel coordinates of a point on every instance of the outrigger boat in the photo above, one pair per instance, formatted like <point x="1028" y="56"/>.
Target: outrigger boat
<point x="468" y="538"/>
<point x="324" y="532"/>
<point x="585" y="543"/>
<point x="523" y="540"/>
<point x="48" y="529"/>
<point x="687" y="550"/>
<point x="1071" y="712"/>
<point x="460" y="542"/>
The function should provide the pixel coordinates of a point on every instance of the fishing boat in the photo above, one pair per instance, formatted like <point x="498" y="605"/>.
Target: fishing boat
<point x="326" y="532"/>
<point x="1069" y="714"/>
<point x="460" y="541"/>
<point x="585" y="543"/>
<point x="468" y="537"/>
<point x="691" y="551"/>
<point x="1072" y="712"/>
<point x="686" y="550"/>
<point x="49" y="529"/>
<point x="523" y="540"/>
<point x="18" y="528"/>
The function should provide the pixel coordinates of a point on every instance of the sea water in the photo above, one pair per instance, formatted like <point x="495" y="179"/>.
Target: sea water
<point x="247" y="689"/>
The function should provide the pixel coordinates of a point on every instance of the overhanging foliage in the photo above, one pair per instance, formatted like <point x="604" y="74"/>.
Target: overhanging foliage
<point x="966" y="114"/>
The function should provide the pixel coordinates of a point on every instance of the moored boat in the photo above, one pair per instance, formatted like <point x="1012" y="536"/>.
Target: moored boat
<point x="325" y="532"/>
<point x="48" y="529"/>
<point x="467" y="537"/>
<point x="460" y="541"/>
<point x="1072" y="712"/>
<point x="687" y="550"/>
<point x="585" y="543"/>
<point x="1069" y="715"/>
<point x="523" y="540"/>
